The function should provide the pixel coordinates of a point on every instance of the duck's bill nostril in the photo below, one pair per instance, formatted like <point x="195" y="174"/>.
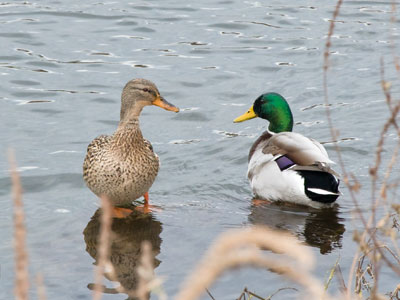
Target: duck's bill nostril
<point x="250" y="114"/>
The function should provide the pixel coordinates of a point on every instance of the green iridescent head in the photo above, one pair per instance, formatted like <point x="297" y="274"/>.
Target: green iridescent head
<point x="272" y="107"/>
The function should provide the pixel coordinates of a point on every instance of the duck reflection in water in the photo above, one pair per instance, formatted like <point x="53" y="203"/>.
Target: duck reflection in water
<point x="127" y="236"/>
<point x="321" y="228"/>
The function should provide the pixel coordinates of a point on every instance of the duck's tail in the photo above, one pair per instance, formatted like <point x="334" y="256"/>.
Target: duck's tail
<point x="321" y="186"/>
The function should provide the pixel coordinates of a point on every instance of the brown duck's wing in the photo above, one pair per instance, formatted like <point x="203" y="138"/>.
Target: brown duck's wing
<point x="98" y="144"/>
<point x="95" y="148"/>
<point x="300" y="149"/>
<point x="94" y="153"/>
<point x="148" y="145"/>
<point x="263" y="138"/>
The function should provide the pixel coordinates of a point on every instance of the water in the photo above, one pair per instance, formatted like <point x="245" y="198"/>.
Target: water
<point x="63" y="66"/>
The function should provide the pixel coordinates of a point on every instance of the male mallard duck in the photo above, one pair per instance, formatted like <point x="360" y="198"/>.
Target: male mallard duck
<point x="123" y="166"/>
<point x="284" y="165"/>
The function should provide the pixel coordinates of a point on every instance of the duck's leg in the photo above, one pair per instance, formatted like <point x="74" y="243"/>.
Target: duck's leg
<point x="121" y="212"/>
<point x="146" y="199"/>
<point x="146" y="207"/>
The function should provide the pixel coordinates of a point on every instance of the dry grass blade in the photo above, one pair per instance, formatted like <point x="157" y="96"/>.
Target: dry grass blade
<point x="209" y="294"/>
<point x="340" y="279"/>
<point x="238" y="248"/>
<point x="331" y="274"/>
<point x="249" y="295"/>
<point x="280" y="290"/>
<point x="104" y="247"/>
<point x="21" y="255"/>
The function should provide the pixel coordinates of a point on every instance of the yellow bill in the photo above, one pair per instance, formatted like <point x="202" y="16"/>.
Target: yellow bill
<point x="250" y="114"/>
<point x="161" y="102"/>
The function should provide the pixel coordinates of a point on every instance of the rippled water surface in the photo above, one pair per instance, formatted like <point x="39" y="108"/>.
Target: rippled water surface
<point x="63" y="65"/>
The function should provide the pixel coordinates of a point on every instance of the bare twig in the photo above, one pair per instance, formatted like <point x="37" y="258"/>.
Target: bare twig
<point x="279" y="290"/>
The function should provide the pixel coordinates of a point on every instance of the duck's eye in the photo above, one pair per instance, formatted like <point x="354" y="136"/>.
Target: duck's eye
<point x="146" y="90"/>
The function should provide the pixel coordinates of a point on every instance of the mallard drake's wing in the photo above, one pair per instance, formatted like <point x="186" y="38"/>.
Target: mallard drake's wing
<point x="300" y="149"/>
<point x="322" y="148"/>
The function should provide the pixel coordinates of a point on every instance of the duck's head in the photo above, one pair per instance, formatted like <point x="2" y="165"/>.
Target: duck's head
<point x="139" y="93"/>
<point x="272" y="107"/>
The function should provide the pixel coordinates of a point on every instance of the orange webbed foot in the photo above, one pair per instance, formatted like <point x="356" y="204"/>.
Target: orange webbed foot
<point x="259" y="202"/>
<point x="121" y="212"/>
<point x="147" y="208"/>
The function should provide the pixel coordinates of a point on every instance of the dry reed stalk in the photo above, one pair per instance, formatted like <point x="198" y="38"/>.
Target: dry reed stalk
<point x="147" y="279"/>
<point x="374" y="175"/>
<point x="325" y="67"/>
<point x="276" y="292"/>
<point x="395" y="294"/>
<point x="370" y="224"/>
<point x="145" y="271"/>
<point x="374" y="251"/>
<point x="41" y="290"/>
<point x="393" y="21"/>
<point x="331" y="274"/>
<point x="370" y="269"/>
<point x="238" y="248"/>
<point x="340" y="279"/>
<point x="251" y="295"/>
<point x="212" y="297"/>
<point x="103" y="248"/>
<point x="334" y="134"/>
<point x="21" y="255"/>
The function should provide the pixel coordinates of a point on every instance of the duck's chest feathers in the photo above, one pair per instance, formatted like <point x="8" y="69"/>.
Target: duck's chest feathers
<point x="134" y="153"/>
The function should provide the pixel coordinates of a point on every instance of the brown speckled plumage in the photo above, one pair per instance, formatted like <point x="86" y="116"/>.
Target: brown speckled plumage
<point x="123" y="166"/>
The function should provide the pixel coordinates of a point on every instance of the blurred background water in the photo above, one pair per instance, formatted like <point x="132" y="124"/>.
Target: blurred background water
<point x="63" y="66"/>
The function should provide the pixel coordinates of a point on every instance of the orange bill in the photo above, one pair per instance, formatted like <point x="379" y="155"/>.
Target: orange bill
<point x="161" y="102"/>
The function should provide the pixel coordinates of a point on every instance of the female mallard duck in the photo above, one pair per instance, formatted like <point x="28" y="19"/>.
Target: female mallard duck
<point x="284" y="165"/>
<point x="123" y="166"/>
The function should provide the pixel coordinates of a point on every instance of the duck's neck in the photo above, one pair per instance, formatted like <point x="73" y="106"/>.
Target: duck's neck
<point x="130" y="111"/>
<point x="274" y="108"/>
<point x="279" y="115"/>
<point x="280" y="122"/>
<point x="128" y="133"/>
